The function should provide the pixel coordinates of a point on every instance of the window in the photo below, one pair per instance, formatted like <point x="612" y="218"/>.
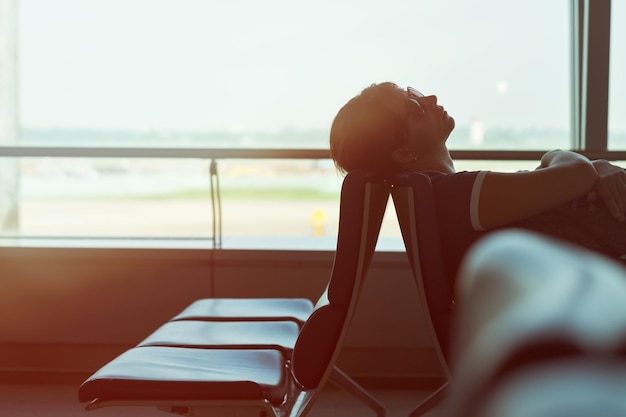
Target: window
<point x="141" y="197"/>
<point x="247" y="74"/>
<point x="274" y="73"/>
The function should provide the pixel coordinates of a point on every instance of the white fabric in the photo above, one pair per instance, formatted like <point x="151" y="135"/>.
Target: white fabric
<point x="475" y="200"/>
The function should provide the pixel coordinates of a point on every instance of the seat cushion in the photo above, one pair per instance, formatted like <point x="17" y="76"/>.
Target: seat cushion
<point x="317" y="344"/>
<point x="172" y="373"/>
<point x="280" y="335"/>
<point x="296" y="309"/>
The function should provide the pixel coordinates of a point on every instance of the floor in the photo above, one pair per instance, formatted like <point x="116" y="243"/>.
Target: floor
<point x="61" y="401"/>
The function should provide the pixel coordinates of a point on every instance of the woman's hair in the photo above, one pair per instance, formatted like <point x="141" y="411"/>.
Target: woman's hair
<point x="367" y="129"/>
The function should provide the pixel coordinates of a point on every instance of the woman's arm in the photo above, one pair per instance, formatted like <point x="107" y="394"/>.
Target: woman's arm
<point x="562" y="176"/>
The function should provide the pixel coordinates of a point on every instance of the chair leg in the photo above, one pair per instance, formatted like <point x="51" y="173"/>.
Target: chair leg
<point x="342" y="380"/>
<point x="431" y="401"/>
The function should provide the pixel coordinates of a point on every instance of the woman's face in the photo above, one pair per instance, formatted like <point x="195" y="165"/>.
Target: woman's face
<point x="428" y="124"/>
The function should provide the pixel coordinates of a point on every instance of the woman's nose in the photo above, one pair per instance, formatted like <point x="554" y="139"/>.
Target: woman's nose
<point x="431" y="101"/>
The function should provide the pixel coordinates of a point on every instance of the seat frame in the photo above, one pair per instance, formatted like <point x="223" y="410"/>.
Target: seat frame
<point x="363" y="202"/>
<point x="414" y="202"/>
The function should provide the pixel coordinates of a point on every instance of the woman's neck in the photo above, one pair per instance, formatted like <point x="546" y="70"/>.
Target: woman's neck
<point x="439" y="163"/>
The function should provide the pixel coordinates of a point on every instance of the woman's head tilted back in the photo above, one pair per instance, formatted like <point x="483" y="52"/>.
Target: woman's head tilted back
<point x="368" y="128"/>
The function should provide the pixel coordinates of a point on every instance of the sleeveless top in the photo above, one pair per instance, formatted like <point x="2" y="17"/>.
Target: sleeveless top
<point x="457" y="195"/>
<point x="456" y="201"/>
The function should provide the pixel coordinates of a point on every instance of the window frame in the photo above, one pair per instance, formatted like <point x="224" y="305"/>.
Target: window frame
<point x="590" y="55"/>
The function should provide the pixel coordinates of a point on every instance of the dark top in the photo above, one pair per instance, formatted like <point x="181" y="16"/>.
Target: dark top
<point x="580" y="222"/>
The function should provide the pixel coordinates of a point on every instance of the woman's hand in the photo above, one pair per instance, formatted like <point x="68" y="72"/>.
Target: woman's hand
<point x="610" y="188"/>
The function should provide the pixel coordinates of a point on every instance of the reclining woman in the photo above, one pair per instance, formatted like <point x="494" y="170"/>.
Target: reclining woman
<point x="391" y="130"/>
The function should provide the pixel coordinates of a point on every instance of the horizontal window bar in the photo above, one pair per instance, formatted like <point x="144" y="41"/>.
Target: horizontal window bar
<point x="530" y="155"/>
<point x="250" y="153"/>
<point x="200" y="153"/>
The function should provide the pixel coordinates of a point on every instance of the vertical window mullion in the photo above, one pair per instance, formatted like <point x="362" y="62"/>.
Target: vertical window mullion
<point x="595" y="75"/>
<point x="577" y="38"/>
<point x="9" y="168"/>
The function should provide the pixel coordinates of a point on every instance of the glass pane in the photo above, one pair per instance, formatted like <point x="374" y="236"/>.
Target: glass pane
<point x="252" y="74"/>
<point x="617" y="81"/>
<point x="114" y="197"/>
<point x="169" y="198"/>
<point x="247" y="73"/>
<point x="80" y="197"/>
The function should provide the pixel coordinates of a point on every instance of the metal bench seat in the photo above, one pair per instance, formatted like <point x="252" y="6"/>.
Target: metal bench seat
<point x="145" y="374"/>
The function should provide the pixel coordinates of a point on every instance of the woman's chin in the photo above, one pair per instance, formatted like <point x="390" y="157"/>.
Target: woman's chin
<point x="450" y="124"/>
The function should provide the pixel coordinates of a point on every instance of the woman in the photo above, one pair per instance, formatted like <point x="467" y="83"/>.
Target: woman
<point x="389" y="129"/>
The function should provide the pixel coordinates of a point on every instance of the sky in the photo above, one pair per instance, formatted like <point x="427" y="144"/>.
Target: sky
<point x="249" y="65"/>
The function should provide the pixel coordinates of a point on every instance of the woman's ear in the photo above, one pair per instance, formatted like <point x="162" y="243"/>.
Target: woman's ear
<point x="403" y="156"/>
